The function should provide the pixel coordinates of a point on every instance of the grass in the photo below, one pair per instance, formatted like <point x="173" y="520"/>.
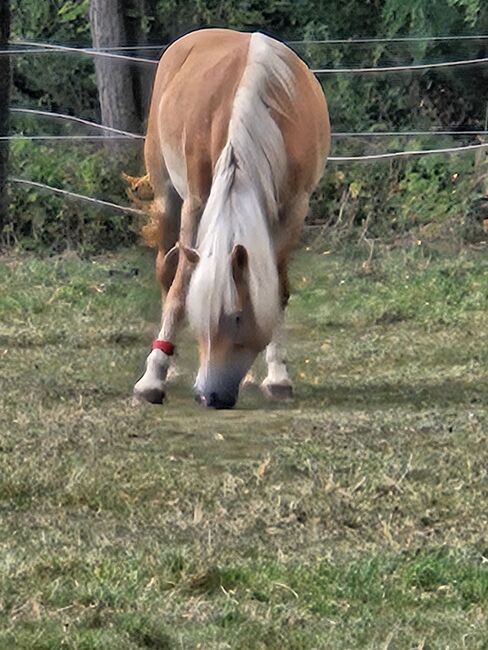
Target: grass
<point x="354" y="517"/>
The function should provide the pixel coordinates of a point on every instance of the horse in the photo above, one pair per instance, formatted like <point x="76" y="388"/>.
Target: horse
<point x="237" y="138"/>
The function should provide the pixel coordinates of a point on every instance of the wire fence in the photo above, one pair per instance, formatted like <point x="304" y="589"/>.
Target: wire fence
<point x="30" y="47"/>
<point x="407" y="154"/>
<point x="79" y="120"/>
<point x="75" y="195"/>
<point x="401" y="68"/>
<point x="61" y="138"/>
<point x="333" y="159"/>
<point x="317" y="71"/>
<point x="89" y="51"/>
<point x="137" y="136"/>
<point x="111" y="138"/>
<point x="326" y="41"/>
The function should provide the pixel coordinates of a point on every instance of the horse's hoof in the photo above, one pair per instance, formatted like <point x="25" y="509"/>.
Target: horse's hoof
<point x="151" y="395"/>
<point x="277" y="392"/>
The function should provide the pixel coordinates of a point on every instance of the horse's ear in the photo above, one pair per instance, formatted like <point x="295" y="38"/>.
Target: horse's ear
<point x="191" y="254"/>
<point x="240" y="264"/>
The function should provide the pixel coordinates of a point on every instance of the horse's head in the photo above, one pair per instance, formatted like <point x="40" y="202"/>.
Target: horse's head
<point x="223" y="310"/>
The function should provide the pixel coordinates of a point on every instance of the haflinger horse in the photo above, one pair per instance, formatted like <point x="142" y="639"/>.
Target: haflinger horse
<point x="238" y="135"/>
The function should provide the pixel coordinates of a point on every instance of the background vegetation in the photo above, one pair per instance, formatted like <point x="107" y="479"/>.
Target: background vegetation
<point x="445" y="196"/>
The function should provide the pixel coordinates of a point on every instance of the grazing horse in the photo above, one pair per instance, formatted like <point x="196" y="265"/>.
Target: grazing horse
<point x="237" y="139"/>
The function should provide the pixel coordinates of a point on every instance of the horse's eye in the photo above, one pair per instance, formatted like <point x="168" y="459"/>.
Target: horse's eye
<point x="238" y="320"/>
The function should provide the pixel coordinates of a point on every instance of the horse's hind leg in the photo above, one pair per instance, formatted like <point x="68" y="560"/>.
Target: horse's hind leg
<point x="277" y="384"/>
<point x="163" y="232"/>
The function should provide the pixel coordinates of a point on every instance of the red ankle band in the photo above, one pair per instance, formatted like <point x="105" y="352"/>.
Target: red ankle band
<point x="165" y="346"/>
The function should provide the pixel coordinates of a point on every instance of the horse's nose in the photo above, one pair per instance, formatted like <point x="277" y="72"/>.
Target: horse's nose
<point x="215" y="400"/>
<point x="220" y="401"/>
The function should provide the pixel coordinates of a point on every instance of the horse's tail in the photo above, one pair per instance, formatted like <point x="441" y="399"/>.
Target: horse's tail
<point x="141" y="195"/>
<point x="153" y="230"/>
<point x="255" y="136"/>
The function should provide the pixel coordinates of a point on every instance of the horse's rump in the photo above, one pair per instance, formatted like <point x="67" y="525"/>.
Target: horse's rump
<point x="194" y="100"/>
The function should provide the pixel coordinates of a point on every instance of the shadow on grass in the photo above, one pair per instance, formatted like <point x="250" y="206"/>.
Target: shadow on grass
<point x="387" y="394"/>
<point x="368" y="394"/>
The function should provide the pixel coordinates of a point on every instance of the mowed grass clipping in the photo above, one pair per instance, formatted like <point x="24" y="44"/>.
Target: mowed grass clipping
<point x="354" y="517"/>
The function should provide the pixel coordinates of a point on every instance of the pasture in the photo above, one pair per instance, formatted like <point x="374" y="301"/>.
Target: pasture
<point x="353" y="517"/>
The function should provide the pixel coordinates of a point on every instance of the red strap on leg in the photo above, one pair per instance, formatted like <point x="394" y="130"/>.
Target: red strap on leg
<point x="165" y="346"/>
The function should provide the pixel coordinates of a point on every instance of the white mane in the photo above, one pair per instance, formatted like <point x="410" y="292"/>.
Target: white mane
<point x="244" y="199"/>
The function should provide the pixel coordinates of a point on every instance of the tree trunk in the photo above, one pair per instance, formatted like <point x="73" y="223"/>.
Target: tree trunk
<point x="4" y="109"/>
<point x="142" y="75"/>
<point x="114" y="78"/>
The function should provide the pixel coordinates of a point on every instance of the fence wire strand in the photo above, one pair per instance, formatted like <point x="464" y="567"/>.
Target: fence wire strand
<point x="407" y="154"/>
<point x="401" y="134"/>
<point x="82" y="197"/>
<point x="318" y="71"/>
<point x="89" y="51"/>
<point x="79" y="120"/>
<point x="401" y="68"/>
<point x="325" y="41"/>
<point x="61" y="138"/>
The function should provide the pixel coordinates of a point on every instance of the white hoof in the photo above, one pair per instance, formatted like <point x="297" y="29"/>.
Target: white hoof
<point x="277" y="392"/>
<point x="152" y="392"/>
<point x="150" y="387"/>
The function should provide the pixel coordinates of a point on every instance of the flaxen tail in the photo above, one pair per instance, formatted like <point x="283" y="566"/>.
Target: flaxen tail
<point x="141" y="195"/>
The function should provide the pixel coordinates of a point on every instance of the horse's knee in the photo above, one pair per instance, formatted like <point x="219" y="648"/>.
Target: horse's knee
<point x="166" y="266"/>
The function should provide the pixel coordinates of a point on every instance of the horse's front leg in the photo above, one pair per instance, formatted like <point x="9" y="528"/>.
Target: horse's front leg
<point x="150" y="386"/>
<point x="277" y="384"/>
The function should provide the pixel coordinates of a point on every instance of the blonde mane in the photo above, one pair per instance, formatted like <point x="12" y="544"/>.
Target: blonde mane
<point x="244" y="200"/>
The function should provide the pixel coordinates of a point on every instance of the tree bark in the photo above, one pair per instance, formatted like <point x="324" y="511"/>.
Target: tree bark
<point x="142" y="75"/>
<point x="114" y="78"/>
<point x="4" y="109"/>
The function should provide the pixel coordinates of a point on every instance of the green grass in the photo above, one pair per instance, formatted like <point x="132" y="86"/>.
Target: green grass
<point x="354" y="517"/>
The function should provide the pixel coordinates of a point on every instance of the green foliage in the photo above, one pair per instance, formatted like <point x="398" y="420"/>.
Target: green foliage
<point x="429" y="17"/>
<point x="281" y="17"/>
<point x="433" y="190"/>
<point x="430" y="198"/>
<point x="62" y="20"/>
<point x="375" y="200"/>
<point x="47" y="221"/>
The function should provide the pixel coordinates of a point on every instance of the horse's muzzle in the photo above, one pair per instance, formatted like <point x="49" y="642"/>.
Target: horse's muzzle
<point x="213" y="400"/>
